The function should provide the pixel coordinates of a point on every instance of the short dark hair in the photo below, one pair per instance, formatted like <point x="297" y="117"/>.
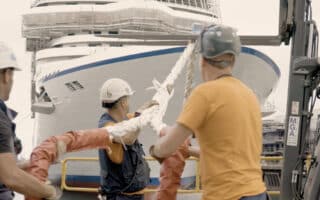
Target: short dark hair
<point x="4" y="70"/>
<point x="109" y="105"/>
<point x="112" y="104"/>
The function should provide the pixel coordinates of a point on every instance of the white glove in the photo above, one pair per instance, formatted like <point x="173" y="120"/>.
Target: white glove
<point x="128" y="138"/>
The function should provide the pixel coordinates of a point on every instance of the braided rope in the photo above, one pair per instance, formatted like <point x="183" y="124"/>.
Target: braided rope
<point x="189" y="77"/>
<point x="153" y="116"/>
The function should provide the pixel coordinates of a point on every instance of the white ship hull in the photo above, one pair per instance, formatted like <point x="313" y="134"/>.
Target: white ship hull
<point x="80" y="109"/>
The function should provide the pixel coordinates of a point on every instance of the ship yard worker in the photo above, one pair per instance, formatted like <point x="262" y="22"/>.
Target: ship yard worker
<point x="12" y="178"/>
<point x="225" y="116"/>
<point x="124" y="171"/>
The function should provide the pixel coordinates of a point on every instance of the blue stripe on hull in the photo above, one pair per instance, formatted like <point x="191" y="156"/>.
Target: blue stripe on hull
<point x="115" y="60"/>
<point x="101" y="63"/>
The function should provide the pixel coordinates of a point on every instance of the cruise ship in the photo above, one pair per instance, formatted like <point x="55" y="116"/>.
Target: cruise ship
<point x="79" y="44"/>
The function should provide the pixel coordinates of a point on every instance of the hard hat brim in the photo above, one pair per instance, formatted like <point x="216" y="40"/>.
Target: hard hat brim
<point x="132" y="93"/>
<point x="15" y="67"/>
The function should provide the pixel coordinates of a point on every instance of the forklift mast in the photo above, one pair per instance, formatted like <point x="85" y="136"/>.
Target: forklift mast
<point x="304" y="78"/>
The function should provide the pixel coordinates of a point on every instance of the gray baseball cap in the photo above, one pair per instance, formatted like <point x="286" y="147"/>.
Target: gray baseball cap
<point x="218" y="39"/>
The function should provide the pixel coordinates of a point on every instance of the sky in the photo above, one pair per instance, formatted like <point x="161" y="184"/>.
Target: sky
<point x="250" y="17"/>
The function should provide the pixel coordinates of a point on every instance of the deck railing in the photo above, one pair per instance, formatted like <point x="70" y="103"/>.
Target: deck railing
<point x="197" y="188"/>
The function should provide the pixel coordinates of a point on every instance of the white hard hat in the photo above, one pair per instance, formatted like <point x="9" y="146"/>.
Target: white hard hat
<point x="113" y="89"/>
<point x="7" y="58"/>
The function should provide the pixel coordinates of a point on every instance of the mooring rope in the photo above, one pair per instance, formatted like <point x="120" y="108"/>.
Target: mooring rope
<point x="164" y="91"/>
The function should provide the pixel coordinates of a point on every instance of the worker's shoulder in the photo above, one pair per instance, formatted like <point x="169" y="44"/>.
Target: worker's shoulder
<point x="5" y="125"/>
<point x="106" y="119"/>
<point x="221" y="87"/>
<point x="216" y="84"/>
<point x="4" y="120"/>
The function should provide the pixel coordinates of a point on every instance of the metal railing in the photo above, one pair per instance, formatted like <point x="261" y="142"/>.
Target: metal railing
<point x="197" y="188"/>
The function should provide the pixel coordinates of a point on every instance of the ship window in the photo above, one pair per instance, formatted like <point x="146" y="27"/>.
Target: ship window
<point x="77" y="85"/>
<point x="97" y="32"/>
<point x="71" y="3"/>
<point x="43" y="96"/>
<point x="74" y="85"/>
<point x="116" y="45"/>
<point x="58" y="45"/>
<point x="71" y="33"/>
<point x="42" y="5"/>
<point x="94" y="44"/>
<point x="113" y="32"/>
<point x="86" y="31"/>
<point x="70" y="87"/>
<point x="192" y="11"/>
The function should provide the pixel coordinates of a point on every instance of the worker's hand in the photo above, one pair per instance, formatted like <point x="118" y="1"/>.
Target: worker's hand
<point x="128" y="138"/>
<point x="152" y="153"/>
<point x="164" y="130"/>
<point x="194" y="151"/>
<point x="55" y="193"/>
<point x="147" y="105"/>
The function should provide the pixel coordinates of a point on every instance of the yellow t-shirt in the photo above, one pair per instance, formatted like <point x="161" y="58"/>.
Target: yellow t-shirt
<point x="225" y="116"/>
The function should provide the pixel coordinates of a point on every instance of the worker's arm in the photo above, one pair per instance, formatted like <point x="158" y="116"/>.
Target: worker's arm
<point x="173" y="137"/>
<point x="194" y="151"/>
<point x="19" y="181"/>
<point x="23" y="164"/>
<point x="191" y="118"/>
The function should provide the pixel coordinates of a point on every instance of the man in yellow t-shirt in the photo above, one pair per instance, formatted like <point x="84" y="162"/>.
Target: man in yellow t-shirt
<point x="225" y="116"/>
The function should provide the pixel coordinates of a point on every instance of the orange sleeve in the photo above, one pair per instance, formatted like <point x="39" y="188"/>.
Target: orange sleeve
<point x="115" y="150"/>
<point x="194" y="111"/>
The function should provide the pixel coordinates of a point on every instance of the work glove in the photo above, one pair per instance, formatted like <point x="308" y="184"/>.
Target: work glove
<point x="151" y="149"/>
<point x="152" y="153"/>
<point x="56" y="192"/>
<point x="147" y="105"/>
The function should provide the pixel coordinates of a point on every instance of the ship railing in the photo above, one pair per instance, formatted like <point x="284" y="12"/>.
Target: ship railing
<point x="134" y="24"/>
<point x="197" y="188"/>
<point x="193" y="3"/>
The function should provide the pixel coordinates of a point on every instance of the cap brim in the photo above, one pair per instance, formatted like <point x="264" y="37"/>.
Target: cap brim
<point x="17" y="69"/>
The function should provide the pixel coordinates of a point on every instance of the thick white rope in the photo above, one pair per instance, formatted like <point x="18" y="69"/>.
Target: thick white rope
<point x="153" y="116"/>
<point x="189" y="78"/>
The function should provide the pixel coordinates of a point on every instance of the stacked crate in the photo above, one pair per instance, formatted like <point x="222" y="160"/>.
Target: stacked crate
<point x="273" y="147"/>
